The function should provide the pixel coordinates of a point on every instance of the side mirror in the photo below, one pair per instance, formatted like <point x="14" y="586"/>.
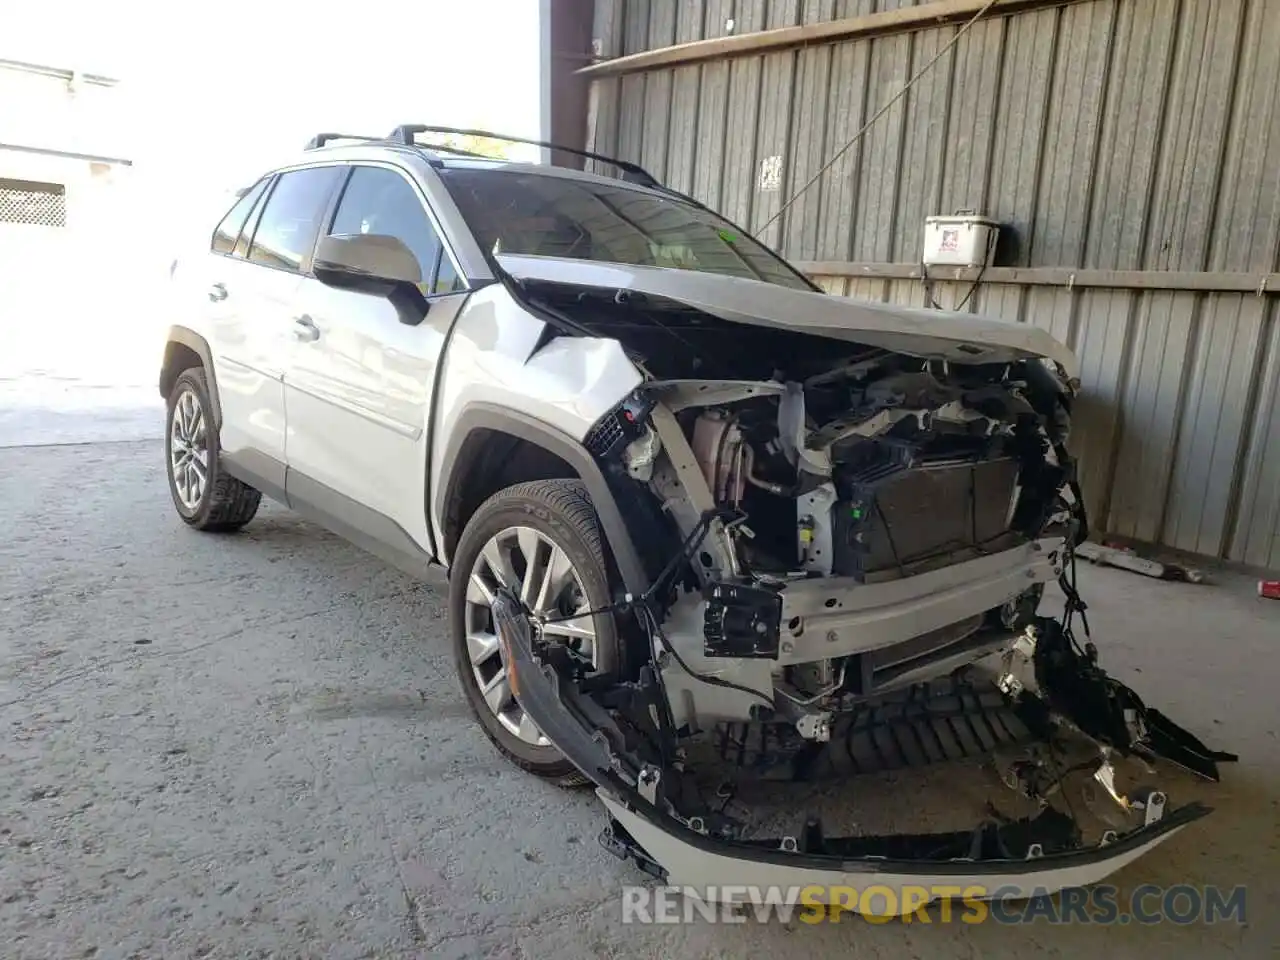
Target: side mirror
<point x="375" y="264"/>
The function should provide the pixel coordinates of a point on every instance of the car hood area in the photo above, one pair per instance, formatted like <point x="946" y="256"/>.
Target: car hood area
<point x="934" y="334"/>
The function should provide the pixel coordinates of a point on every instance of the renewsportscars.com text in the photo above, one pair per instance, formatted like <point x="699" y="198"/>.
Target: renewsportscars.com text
<point x="1104" y="904"/>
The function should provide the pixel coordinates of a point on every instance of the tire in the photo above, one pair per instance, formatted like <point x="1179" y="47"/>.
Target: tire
<point x="224" y="503"/>
<point x="559" y="511"/>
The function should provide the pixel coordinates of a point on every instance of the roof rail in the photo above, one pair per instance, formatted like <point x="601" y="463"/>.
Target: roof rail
<point x="632" y="172"/>
<point x="320" y="139"/>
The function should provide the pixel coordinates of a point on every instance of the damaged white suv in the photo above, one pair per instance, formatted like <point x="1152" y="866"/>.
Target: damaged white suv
<point x="682" y="496"/>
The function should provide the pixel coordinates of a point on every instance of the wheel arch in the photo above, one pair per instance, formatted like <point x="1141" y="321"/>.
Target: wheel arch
<point x="491" y="448"/>
<point x="184" y="348"/>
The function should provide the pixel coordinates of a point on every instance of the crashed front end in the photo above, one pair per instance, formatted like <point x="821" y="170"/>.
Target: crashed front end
<point x="662" y="822"/>
<point x="829" y="524"/>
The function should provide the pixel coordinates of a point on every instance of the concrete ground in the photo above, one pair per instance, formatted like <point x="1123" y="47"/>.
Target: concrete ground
<point x="254" y="746"/>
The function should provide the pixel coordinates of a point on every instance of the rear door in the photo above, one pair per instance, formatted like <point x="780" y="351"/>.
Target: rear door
<point x="358" y="388"/>
<point x="250" y="292"/>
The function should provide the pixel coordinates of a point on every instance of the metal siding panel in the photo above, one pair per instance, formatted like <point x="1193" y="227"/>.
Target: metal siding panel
<point x="773" y="134"/>
<point x="657" y="91"/>
<point x="1151" y="405"/>
<point x="868" y="289"/>
<point x="1052" y="310"/>
<point x="1248" y="224"/>
<point x="631" y="118"/>
<point x="682" y="141"/>
<point x="974" y="113"/>
<point x="809" y="150"/>
<point x="1213" y="423"/>
<point x="1187" y="176"/>
<point x="1129" y="147"/>
<point x="740" y="140"/>
<point x="925" y="144"/>
<point x="606" y="27"/>
<point x="838" y="188"/>
<point x="635" y="26"/>
<point x="1060" y="221"/>
<point x="750" y="15"/>
<point x="738" y="187"/>
<point x="908" y="293"/>
<point x="689" y="21"/>
<point x="713" y="102"/>
<point x="1024" y="87"/>
<point x="854" y="8"/>
<point x="716" y="22"/>
<point x="602" y="122"/>
<point x="881" y="164"/>
<point x="1256" y="537"/>
<point x="635" y="37"/>
<point x="1000" y="300"/>
<point x="1101" y="347"/>
<point x="957" y="295"/>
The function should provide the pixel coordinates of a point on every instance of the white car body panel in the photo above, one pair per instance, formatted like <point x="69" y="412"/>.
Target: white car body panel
<point x="358" y="399"/>
<point x="732" y="877"/>
<point x="940" y="334"/>
<point x="569" y="384"/>
<point x="247" y="334"/>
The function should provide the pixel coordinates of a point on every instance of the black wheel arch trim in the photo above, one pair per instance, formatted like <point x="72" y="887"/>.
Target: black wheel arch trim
<point x="200" y="346"/>
<point x="485" y="416"/>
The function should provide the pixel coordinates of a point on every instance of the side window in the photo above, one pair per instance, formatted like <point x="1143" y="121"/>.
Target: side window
<point x="381" y="201"/>
<point x="287" y="229"/>
<point x="447" y="279"/>
<point x="250" y="225"/>
<point x="224" y="237"/>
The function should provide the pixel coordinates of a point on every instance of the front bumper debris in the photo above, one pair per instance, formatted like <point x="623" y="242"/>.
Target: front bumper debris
<point x="619" y="735"/>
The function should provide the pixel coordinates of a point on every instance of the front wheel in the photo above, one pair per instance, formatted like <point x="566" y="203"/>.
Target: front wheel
<point x="205" y="495"/>
<point x="542" y="540"/>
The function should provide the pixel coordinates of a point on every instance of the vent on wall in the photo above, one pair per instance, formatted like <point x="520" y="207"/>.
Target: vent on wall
<point x="33" y="202"/>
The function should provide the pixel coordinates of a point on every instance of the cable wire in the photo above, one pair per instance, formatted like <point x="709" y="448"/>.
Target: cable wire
<point x="878" y="114"/>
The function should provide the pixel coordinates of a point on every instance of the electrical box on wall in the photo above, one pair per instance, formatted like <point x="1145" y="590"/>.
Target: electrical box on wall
<point x="963" y="239"/>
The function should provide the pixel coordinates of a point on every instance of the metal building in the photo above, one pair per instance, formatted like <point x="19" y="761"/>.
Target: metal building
<point x="1130" y="148"/>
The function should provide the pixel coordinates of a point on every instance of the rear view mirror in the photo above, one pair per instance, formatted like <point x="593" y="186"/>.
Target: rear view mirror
<point x="375" y="264"/>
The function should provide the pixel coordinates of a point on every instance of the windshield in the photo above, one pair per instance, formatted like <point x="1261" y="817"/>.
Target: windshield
<point x="534" y="214"/>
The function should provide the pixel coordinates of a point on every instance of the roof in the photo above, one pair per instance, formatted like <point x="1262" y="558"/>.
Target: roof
<point x="354" y="150"/>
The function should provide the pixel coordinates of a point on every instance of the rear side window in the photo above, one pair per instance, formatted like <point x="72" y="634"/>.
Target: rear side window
<point x="381" y="201"/>
<point x="287" y="229"/>
<point x="224" y="237"/>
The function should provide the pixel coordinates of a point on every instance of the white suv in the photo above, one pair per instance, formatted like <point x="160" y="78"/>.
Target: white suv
<point x="712" y="494"/>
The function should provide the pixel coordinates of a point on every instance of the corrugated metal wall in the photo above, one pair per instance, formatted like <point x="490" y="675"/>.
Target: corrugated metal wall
<point x="1111" y="134"/>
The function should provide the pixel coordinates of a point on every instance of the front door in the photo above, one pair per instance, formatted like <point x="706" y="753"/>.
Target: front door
<point x="358" y="387"/>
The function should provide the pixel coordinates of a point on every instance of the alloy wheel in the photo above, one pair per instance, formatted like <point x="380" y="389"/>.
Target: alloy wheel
<point x="537" y="569"/>
<point x="188" y="449"/>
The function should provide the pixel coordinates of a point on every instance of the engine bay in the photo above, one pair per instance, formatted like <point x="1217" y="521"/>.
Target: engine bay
<point x="834" y="532"/>
<point x="786" y="473"/>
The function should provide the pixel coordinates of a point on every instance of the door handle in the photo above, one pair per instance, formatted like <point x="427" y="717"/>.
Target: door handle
<point x="218" y="292"/>
<point x="305" y="329"/>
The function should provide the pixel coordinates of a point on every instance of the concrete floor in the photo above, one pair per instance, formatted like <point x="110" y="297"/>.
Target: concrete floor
<point x="253" y="745"/>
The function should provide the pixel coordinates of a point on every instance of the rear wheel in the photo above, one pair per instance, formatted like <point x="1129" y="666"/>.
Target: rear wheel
<point x="205" y="496"/>
<point x="542" y="540"/>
